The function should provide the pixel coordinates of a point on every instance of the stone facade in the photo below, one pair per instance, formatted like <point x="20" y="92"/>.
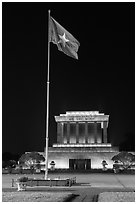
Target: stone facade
<point x="82" y="141"/>
<point x="82" y="128"/>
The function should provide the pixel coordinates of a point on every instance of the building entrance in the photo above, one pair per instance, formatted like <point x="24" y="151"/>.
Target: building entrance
<point x="79" y="164"/>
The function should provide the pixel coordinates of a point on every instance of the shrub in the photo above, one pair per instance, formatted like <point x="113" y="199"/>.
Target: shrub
<point x="23" y="179"/>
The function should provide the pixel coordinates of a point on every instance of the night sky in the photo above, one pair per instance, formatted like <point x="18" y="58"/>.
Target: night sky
<point x="103" y="79"/>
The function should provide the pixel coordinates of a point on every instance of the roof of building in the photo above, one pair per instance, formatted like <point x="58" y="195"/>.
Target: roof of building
<point x="82" y="116"/>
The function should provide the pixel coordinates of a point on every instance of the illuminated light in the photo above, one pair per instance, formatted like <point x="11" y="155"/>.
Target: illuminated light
<point x="82" y="140"/>
<point x="102" y="125"/>
<point x="82" y="145"/>
<point x="72" y="140"/>
<point x="91" y="140"/>
<point x="65" y="140"/>
<point x="99" y="140"/>
<point x="82" y="113"/>
<point x="75" y="113"/>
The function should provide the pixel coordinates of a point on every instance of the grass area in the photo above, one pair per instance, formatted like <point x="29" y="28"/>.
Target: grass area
<point x="116" y="197"/>
<point x="27" y="196"/>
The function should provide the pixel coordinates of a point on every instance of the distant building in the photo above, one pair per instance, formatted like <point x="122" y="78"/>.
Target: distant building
<point x="82" y="141"/>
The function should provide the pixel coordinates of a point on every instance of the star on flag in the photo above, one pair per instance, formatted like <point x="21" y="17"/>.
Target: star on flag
<point x="63" y="39"/>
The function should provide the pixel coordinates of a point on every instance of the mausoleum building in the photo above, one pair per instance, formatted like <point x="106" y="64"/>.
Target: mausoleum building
<point x="82" y="141"/>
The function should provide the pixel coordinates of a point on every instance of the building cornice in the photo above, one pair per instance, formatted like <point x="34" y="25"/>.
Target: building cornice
<point x="81" y="117"/>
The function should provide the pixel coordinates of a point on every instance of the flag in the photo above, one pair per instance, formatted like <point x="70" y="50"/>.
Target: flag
<point x="63" y="39"/>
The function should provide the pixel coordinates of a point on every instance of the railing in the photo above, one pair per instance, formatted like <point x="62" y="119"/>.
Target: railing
<point x="42" y="182"/>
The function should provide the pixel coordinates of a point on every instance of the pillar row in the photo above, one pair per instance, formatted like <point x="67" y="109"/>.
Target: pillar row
<point x="60" y="132"/>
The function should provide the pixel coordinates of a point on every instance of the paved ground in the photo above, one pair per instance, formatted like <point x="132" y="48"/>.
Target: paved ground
<point x="88" y="185"/>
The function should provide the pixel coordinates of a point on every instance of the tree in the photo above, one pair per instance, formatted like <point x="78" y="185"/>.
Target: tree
<point x="126" y="158"/>
<point x="9" y="165"/>
<point x="31" y="159"/>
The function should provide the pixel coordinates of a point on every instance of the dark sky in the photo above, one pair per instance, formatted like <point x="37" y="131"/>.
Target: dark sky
<point x="103" y="78"/>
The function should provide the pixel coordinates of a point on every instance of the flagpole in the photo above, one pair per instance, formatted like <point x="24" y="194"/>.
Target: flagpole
<point x="47" y="115"/>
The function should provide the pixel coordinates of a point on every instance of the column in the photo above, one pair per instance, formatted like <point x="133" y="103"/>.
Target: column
<point x="86" y="132"/>
<point x="60" y="127"/>
<point x="58" y="133"/>
<point x="102" y="132"/>
<point x="99" y="133"/>
<point x="59" y="138"/>
<point x="77" y="132"/>
<point x="95" y="131"/>
<point x="105" y="132"/>
<point x="68" y="132"/>
<point x="62" y="132"/>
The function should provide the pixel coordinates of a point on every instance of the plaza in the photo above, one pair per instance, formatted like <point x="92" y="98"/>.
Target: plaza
<point x="87" y="188"/>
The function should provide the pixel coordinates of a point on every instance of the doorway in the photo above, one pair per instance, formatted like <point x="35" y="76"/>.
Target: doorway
<point x="79" y="164"/>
